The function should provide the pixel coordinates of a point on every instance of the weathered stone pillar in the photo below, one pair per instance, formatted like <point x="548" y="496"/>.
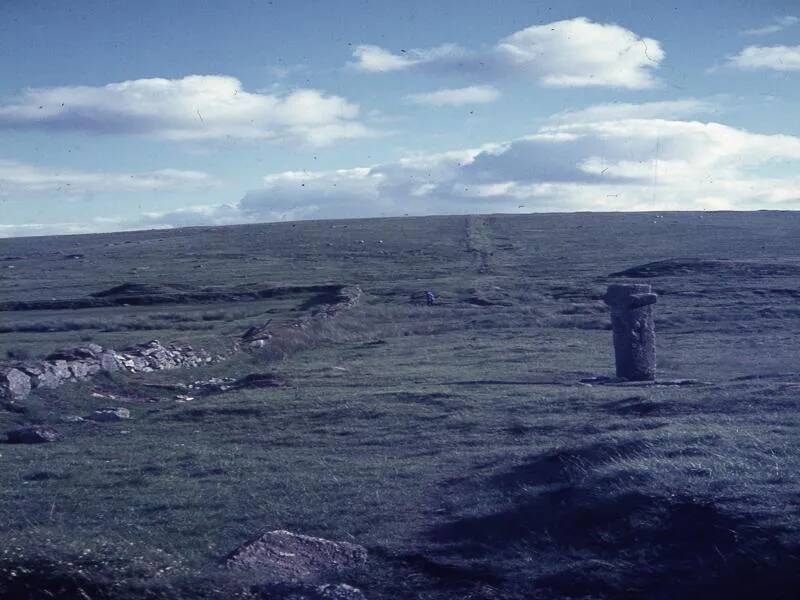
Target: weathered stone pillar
<point x="634" y="332"/>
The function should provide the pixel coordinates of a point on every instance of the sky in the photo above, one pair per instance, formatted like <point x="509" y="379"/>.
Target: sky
<point x="158" y="114"/>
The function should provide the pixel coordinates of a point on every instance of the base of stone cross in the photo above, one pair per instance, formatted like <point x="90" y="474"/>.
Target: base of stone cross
<point x="622" y="382"/>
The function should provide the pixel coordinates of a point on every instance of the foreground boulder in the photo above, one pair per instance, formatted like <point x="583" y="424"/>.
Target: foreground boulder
<point x="285" y="557"/>
<point x="14" y="384"/>
<point x="36" y="434"/>
<point x="328" y="591"/>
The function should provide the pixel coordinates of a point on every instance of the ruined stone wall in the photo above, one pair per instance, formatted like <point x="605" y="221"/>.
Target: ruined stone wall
<point x="17" y="379"/>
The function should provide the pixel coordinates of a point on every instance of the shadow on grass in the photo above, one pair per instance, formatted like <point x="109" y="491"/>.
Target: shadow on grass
<point x="49" y="578"/>
<point x="638" y="406"/>
<point x="569" y="532"/>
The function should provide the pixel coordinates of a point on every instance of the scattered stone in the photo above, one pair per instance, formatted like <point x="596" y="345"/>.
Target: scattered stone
<point x="216" y="385"/>
<point x="36" y="434"/>
<point x="622" y="382"/>
<point x="664" y="382"/>
<point x="14" y="384"/>
<point x="72" y="419"/>
<point x="110" y="414"/>
<point x="339" y="591"/>
<point x="155" y="356"/>
<point x="282" y="556"/>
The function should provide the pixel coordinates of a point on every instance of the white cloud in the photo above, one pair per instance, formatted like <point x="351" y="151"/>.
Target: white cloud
<point x="474" y="94"/>
<point x="197" y="107"/>
<point x="665" y="109"/>
<point x="569" y="53"/>
<point x="622" y="164"/>
<point x="627" y="159"/>
<point x="23" y="178"/>
<point x="377" y="60"/>
<point x="776" y="58"/>
<point x="777" y="25"/>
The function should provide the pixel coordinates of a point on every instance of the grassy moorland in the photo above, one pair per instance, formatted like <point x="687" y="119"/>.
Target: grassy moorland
<point x="456" y="442"/>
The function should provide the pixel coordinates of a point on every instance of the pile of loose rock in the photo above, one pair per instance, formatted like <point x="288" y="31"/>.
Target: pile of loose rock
<point x="74" y="364"/>
<point x="154" y="356"/>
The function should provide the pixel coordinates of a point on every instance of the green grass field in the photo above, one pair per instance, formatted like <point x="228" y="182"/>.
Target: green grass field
<point x="456" y="442"/>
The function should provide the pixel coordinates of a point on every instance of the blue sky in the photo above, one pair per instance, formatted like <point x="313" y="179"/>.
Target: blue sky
<point x="121" y="115"/>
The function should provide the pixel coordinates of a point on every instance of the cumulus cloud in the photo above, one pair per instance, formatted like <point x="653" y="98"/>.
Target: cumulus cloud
<point x="377" y="60"/>
<point x="616" y="164"/>
<point x="775" y="58"/>
<point x="473" y="94"/>
<point x="197" y="107"/>
<point x="21" y="178"/>
<point x="777" y="25"/>
<point x="637" y="158"/>
<point x="570" y="53"/>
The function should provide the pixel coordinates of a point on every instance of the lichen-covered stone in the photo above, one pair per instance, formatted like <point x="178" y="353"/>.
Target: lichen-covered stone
<point x="14" y="384"/>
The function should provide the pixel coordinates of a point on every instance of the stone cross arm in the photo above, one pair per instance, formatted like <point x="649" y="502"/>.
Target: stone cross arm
<point x="639" y="300"/>
<point x="629" y="295"/>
